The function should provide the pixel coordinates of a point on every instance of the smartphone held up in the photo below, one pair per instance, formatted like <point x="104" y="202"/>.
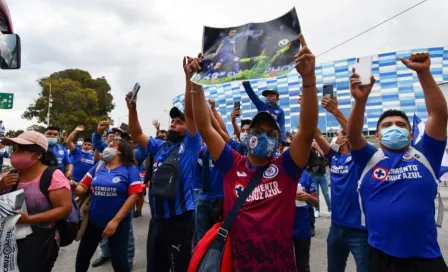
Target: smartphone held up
<point x="134" y="92"/>
<point x="364" y="69"/>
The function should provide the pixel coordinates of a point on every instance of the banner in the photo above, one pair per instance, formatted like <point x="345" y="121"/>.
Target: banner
<point x="9" y="204"/>
<point x="250" y="51"/>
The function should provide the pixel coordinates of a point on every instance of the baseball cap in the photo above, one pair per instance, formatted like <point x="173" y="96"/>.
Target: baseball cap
<point x="175" y="112"/>
<point x="268" y="91"/>
<point x="264" y="116"/>
<point x="28" y="138"/>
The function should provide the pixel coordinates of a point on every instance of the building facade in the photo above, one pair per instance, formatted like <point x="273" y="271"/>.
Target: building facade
<point x="396" y="87"/>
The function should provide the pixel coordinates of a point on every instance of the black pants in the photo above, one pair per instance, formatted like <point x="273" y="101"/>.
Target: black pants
<point x="38" y="251"/>
<point x="118" y="246"/>
<point x="311" y="216"/>
<point x="169" y="243"/>
<point x="302" y="252"/>
<point x="381" y="262"/>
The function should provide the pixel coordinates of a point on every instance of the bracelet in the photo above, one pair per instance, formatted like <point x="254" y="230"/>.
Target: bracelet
<point x="194" y="92"/>
<point x="309" y="86"/>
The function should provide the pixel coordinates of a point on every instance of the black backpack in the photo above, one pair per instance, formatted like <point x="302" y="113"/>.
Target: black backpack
<point x="68" y="227"/>
<point x="165" y="181"/>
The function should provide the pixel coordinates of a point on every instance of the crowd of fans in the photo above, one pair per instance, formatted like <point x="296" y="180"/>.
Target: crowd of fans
<point x="382" y="199"/>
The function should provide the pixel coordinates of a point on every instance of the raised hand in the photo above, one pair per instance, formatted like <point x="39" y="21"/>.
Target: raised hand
<point x="212" y="103"/>
<point x="102" y="126"/>
<point x="358" y="91"/>
<point x="156" y="124"/>
<point x="132" y="104"/>
<point x="79" y="128"/>
<point x="235" y="114"/>
<point x="191" y="65"/>
<point x="306" y="61"/>
<point x="419" y="62"/>
<point x="330" y="104"/>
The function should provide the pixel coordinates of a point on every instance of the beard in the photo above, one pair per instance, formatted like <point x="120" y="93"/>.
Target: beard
<point x="175" y="136"/>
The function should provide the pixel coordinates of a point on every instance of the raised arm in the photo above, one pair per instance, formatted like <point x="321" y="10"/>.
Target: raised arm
<point x="188" y="109"/>
<point x="216" y="125"/>
<point x="134" y="124"/>
<point x="435" y="101"/>
<point x="156" y="124"/>
<point x="215" y="143"/>
<point x="71" y="137"/>
<point x="236" y="127"/>
<point x="331" y="105"/>
<point x="356" y="121"/>
<point x="97" y="136"/>
<point x="301" y="143"/>
<point x="254" y="97"/>
<point x="217" y="115"/>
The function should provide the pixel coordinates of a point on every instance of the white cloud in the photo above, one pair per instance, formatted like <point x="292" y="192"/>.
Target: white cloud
<point x="144" y="41"/>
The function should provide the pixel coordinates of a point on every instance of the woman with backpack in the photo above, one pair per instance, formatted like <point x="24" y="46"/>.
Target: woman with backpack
<point x="46" y="204"/>
<point x="115" y="185"/>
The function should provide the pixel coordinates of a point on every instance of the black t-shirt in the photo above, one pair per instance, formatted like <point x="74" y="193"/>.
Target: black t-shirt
<point x="316" y="163"/>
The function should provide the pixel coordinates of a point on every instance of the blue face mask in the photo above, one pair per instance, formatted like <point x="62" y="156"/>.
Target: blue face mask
<point x="262" y="145"/>
<point x="270" y="102"/>
<point x="394" y="137"/>
<point x="52" y="141"/>
<point x="243" y="138"/>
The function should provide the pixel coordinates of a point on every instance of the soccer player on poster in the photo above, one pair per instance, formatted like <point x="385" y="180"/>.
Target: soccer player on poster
<point x="227" y="52"/>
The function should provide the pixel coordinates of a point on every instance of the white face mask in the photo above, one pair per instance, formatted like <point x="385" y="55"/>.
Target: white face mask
<point x="80" y="143"/>
<point x="334" y="145"/>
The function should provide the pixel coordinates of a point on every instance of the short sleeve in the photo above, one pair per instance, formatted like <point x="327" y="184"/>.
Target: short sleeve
<point x="433" y="150"/>
<point x="362" y="156"/>
<point x="234" y="145"/>
<point x="226" y="159"/>
<point x="66" y="159"/>
<point x="154" y="146"/>
<point x="193" y="143"/>
<point x="135" y="183"/>
<point x="330" y="155"/>
<point x="289" y="166"/>
<point x="76" y="151"/>
<point x="88" y="177"/>
<point x="58" y="181"/>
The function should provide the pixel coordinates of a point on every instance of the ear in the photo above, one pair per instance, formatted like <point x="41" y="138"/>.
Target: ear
<point x="378" y="136"/>
<point x="411" y="136"/>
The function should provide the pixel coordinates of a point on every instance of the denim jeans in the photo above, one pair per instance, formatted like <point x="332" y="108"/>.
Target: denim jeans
<point x="323" y="181"/>
<point x="340" y="242"/>
<point x="196" y="195"/>
<point x="105" y="251"/>
<point x="203" y="220"/>
<point x="117" y="242"/>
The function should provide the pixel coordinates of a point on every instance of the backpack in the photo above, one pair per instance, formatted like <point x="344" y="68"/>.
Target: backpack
<point x="68" y="227"/>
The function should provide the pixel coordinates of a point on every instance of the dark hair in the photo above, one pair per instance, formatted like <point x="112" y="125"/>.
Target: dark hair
<point x="88" y="140"/>
<point x="48" y="157"/>
<point x="53" y="128"/>
<point x="390" y="113"/>
<point x="245" y="122"/>
<point x="127" y="152"/>
<point x="163" y="131"/>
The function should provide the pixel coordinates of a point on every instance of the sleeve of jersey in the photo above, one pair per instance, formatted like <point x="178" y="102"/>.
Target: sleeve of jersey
<point x="281" y="122"/>
<point x="433" y="150"/>
<point x="98" y="142"/>
<point x="226" y="159"/>
<point x="135" y="182"/>
<point x="362" y="156"/>
<point x="67" y="159"/>
<point x="254" y="97"/>
<point x="154" y="146"/>
<point x="234" y="145"/>
<point x="329" y="155"/>
<point x="193" y="143"/>
<point x="289" y="166"/>
<point x="86" y="181"/>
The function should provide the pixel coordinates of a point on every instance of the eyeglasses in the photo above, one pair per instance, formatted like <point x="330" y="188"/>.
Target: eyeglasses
<point x="269" y="133"/>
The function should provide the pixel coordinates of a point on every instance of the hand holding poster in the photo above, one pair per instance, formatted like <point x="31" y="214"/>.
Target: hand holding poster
<point x="250" y="51"/>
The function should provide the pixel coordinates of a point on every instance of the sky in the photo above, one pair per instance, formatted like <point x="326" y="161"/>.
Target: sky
<point x="145" y="41"/>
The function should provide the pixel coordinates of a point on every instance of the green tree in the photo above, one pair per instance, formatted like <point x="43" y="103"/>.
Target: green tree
<point x="77" y="99"/>
<point x="13" y="133"/>
<point x="37" y="128"/>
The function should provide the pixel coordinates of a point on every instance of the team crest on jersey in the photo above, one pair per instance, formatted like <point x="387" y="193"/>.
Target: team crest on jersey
<point x="238" y="189"/>
<point x="181" y="149"/>
<point x="349" y="159"/>
<point x="271" y="172"/>
<point x="83" y="159"/>
<point x="277" y="111"/>
<point x="407" y="157"/>
<point x="379" y="173"/>
<point x="116" y="180"/>
<point x="61" y="152"/>
<point x="253" y="142"/>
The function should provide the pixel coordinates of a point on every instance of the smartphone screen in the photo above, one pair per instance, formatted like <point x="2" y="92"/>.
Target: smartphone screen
<point x="135" y="91"/>
<point x="364" y="69"/>
<point x="328" y="91"/>
<point x="236" y="105"/>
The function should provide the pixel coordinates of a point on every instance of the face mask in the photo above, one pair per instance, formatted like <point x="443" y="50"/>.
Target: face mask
<point x="80" y="143"/>
<point x="109" y="153"/>
<point x="87" y="151"/>
<point x="174" y="136"/>
<point x="262" y="146"/>
<point x="270" y="102"/>
<point x="243" y="138"/>
<point x="394" y="137"/>
<point x="335" y="146"/>
<point x="21" y="161"/>
<point x="52" y="141"/>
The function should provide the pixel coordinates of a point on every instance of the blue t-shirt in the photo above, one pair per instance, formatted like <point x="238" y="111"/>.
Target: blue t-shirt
<point x="302" y="229"/>
<point x="227" y="45"/>
<point x="110" y="190"/>
<point x="344" y="176"/>
<point x="62" y="155"/>
<point x="98" y="143"/>
<point x="216" y="186"/>
<point x="188" y="157"/>
<point x="398" y="200"/>
<point x="140" y="154"/>
<point x="82" y="163"/>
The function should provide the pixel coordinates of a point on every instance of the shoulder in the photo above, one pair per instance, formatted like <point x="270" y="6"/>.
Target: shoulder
<point x="58" y="181"/>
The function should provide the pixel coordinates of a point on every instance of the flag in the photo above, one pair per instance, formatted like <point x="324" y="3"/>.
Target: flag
<point x="418" y="128"/>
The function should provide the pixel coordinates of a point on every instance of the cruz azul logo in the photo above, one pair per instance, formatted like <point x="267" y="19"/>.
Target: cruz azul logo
<point x="379" y="173"/>
<point x="271" y="172"/>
